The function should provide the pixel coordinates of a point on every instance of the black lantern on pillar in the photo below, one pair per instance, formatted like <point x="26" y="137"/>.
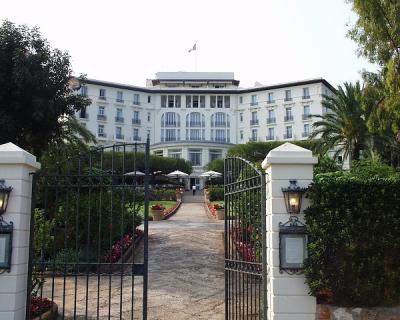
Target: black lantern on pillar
<point x="293" y="195"/>
<point x="4" y="196"/>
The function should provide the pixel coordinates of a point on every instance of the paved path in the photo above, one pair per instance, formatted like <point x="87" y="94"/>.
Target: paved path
<point x="186" y="274"/>
<point x="186" y="279"/>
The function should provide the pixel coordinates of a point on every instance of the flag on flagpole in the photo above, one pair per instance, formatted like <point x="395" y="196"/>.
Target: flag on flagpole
<point x="194" y="48"/>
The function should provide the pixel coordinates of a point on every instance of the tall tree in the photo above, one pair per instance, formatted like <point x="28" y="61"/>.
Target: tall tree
<point x="343" y="127"/>
<point x="36" y="95"/>
<point x="377" y="32"/>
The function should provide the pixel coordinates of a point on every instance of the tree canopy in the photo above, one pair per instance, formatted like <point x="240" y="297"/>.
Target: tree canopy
<point x="36" y="96"/>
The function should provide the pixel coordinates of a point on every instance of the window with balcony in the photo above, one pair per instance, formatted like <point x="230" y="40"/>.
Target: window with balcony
<point x="83" y="114"/>
<point x="306" y="93"/>
<point x="194" y="134"/>
<point x="271" y="117"/>
<point x="170" y="119"/>
<point x="254" y="135"/>
<point x="254" y="100"/>
<point x="102" y="94"/>
<point x="101" y="115"/>
<point x="148" y="99"/>
<point x="118" y="133"/>
<point x="288" y="133"/>
<point x="148" y="116"/>
<point x="241" y="100"/>
<point x="195" y="119"/>
<point x="195" y="101"/>
<point x="177" y="101"/>
<point x="202" y="101"/>
<point x="215" y="154"/>
<point x="306" y="112"/>
<point x="135" y="119"/>
<point x="270" y="97"/>
<point x="220" y="101"/>
<point x="136" y="99"/>
<point x="241" y="134"/>
<point x="170" y="135"/>
<point x="195" y="157"/>
<point x="120" y="96"/>
<point x="254" y="118"/>
<point x="219" y="119"/>
<point x="163" y="101"/>
<point x="220" y="135"/>
<point x="307" y="130"/>
<point x="171" y="101"/>
<point x="188" y="101"/>
<point x="227" y="101"/>
<point x="136" y="136"/>
<point x="100" y="130"/>
<point x="213" y="101"/>
<point x="271" y="134"/>
<point x="241" y="117"/>
<point x="288" y="114"/>
<point x="119" y="116"/>
<point x="288" y="95"/>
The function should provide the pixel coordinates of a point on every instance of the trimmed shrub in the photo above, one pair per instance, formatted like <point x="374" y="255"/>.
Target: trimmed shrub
<point x="354" y="228"/>
<point x="162" y="194"/>
<point x="216" y="193"/>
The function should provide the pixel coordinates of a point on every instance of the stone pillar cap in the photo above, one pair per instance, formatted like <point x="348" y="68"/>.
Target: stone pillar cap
<point x="289" y="153"/>
<point x="12" y="154"/>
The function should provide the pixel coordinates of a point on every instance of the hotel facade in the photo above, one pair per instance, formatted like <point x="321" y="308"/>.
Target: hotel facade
<point x="198" y="116"/>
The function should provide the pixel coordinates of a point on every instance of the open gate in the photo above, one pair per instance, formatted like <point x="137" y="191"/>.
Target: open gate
<point x="245" y="241"/>
<point x="89" y="244"/>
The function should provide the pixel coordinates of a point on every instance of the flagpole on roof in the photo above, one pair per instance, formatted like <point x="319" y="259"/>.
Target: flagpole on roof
<point x="194" y="48"/>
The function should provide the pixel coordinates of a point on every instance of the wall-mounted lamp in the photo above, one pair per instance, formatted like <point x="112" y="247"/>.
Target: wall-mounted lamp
<point x="4" y="196"/>
<point x="293" y="195"/>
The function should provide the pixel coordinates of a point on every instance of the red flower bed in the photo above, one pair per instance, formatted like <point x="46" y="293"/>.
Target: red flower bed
<point x="218" y="206"/>
<point x="121" y="245"/>
<point x="212" y="209"/>
<point x="246" y="249"/>
<point x="39" y="306"/>
<point x="158" y="206"/>
<point x="169" y="211"/>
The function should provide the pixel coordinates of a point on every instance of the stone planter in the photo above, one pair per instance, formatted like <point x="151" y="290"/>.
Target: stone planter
<point x="50" y="314"/>
<point x="157" y="215"/>
<point x="220" y="214"/>
<point x="178" y="196"/>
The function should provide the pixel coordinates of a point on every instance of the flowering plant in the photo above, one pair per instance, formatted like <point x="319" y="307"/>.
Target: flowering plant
<point x="218" y="206"/>
<point x="121" y="245"/>
<point x="39" y="306"/>
<point x="158" y="206"/>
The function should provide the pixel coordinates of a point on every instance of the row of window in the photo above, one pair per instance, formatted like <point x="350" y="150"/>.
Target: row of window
<point x="217" y="135"/>
<point x="118" y="133"/>
<point x="271" y="98"/>
<point x="271" y="115"/>
<point x="119" y="115"/>
<point x="118" y="98"/>
<point x="195" y="101"/>
<point x="194" y="119"/>
<point x="194" y="155"/>
<point x="271" y="133"/>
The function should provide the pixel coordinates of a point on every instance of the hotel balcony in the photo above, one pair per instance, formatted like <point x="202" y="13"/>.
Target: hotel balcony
<point x="271" y="120"/>
<point x="254" y="122"/>
<point x="288" y="118"/>
<point x="136" y="121"/>
<point x="270" y="138"/>
<point x="288" y="136"/>
<point x="119" y="119"/>
<point x="101" y="117"/>
<point x="306" y="116"/>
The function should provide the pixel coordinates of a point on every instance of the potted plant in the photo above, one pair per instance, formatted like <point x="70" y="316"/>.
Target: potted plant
<point x="178" y="194"/>
<point x="157" y="211"/>
<point x="219" y="210"/>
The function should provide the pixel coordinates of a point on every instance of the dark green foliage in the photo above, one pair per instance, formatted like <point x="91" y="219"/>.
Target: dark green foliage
<point x="354" y="228"/>
<point x="257" y="151"/>
<point x="325" y="165"/>
<point x="216" y="193"/>
<point x="162" y="194"/>
<point x="35" y="91"/>
<point x="216" y="165"/>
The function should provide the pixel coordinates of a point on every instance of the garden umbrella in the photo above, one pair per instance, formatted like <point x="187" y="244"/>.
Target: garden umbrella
<point x="135" y="173"/>
<point x="211" y="174"/>
<point x="177" y="174"/>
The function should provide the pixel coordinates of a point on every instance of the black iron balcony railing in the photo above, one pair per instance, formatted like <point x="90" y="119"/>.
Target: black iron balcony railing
<point x="288" y="99"/>
<point x="288" y="118"/>
<point x="102" y="98"/>
<point x="136" y="121"/>
<point x="270" y="138"/>
<point x="253" y="139"/>
<point x="254" y="122"/>
<point x="306" y="116"/>
<point x="271" y="120"/>
<point x="120" y="100"/>
<point x="84" y="115"/>
<point x="306" y="97"/>
<point x="102" y="135"/>
<point x="136" y="103"/>
<point x="271" y="101"/>
<point x="219" y="124"/>
<point x="119" y="119"/>
<point x="254" y="103"/>
<point x="195" y="124"/>
<point x="119" y="136"/>
<point x="306" y="134"/>
<point x="136" y="138"/>
<point x="287" y="136"/>
<point x="101" y="117"/>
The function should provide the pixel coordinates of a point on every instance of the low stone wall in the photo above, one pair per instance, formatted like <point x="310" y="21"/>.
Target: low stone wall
<point x="327" y="312"/>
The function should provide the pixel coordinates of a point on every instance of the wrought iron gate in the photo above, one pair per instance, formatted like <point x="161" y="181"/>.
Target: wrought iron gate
<point x="245" y="241"/>
<point x="89" y="246"/>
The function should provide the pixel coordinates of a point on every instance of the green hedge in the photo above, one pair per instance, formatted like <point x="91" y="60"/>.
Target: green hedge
<point x="354" y="228"/>
<point x="216" y="193"/>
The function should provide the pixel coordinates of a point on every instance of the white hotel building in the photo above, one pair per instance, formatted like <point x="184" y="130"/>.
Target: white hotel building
<point x="198" y="116"/>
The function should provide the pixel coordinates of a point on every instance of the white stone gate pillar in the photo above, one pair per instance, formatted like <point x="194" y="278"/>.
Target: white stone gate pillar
<point x="288" y="297"/>
<point x="15" y="167"/>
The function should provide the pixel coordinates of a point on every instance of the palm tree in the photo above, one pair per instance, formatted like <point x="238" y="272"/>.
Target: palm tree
<point x="343" y="127"/>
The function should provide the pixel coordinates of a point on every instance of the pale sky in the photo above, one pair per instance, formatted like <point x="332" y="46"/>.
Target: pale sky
<point x="269" y="41"/>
